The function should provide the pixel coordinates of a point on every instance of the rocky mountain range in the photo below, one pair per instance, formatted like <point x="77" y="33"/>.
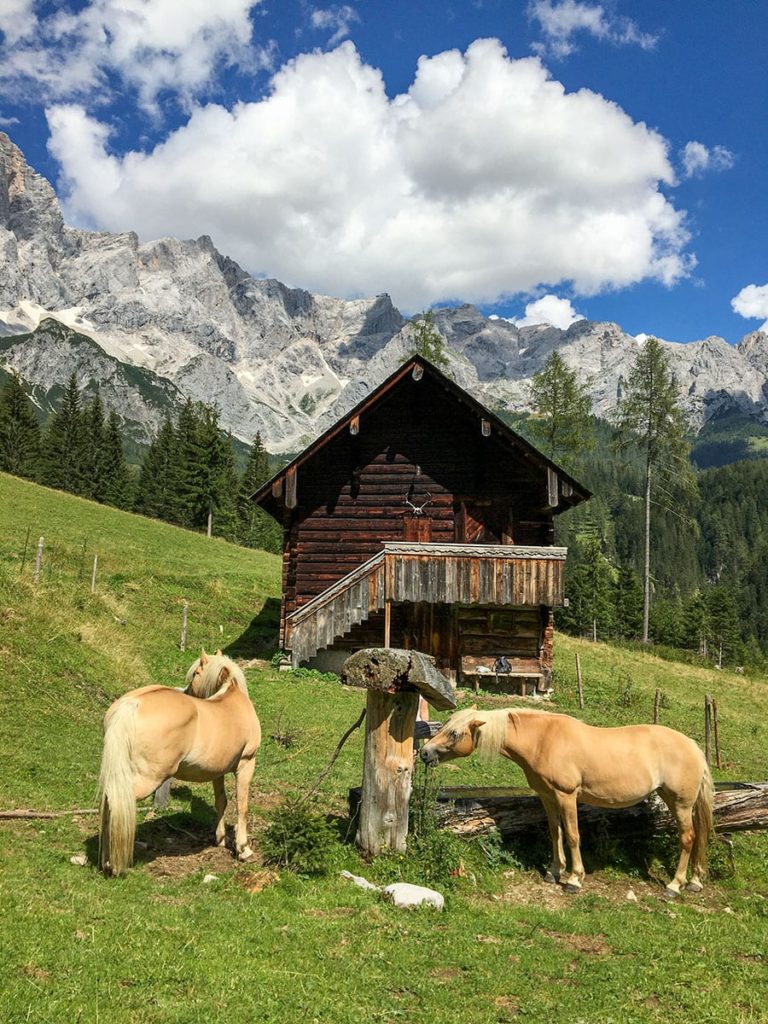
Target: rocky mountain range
<point x="152" y="323"/>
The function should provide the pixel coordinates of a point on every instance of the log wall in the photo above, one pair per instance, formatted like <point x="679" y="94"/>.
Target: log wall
<point x="416" y="442"/>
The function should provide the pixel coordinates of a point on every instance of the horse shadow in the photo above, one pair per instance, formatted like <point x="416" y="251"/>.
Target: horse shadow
<point x="606" y="843"/>
<point x="260" y="638"/>
<point x="181" y="834"/>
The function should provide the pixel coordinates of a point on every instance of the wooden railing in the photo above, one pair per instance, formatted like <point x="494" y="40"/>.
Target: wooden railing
<point x="485" y="574"/>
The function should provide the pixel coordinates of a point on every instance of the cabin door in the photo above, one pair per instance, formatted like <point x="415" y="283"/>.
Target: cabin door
<point x="417" y="529"/>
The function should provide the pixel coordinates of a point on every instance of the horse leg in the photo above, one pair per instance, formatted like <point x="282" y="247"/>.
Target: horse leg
<point x="558" y="865"/>
<point x="243" y="775"/>
<point x="220" y="800"/>
<point x="570" y="818"/>
<point x="682" y="813"/>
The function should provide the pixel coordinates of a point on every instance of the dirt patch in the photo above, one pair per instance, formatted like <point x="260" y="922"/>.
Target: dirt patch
<point x="445" y="973"/>
<point x="255" y="882"/>
<point x="179" y="863"/>
<point x="510" y="1004"/>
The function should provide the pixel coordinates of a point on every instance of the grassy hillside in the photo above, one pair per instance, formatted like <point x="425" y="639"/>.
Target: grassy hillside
<point x="161" y="946"/>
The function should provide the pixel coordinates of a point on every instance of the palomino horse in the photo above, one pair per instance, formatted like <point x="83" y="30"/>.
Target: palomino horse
<point x="566" y="761"/>
<point x="198" y="735"/>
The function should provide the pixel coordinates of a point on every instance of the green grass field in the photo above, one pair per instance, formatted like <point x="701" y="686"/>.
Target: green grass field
<point x="160" y="945"/>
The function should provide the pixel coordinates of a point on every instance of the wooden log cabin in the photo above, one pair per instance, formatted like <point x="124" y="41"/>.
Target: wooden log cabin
<point x="421" y="520"/>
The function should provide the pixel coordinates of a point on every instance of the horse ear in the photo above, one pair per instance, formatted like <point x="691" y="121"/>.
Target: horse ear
<point x="218" y="653"/>
<point x="473" y="726"/>
<point x="223" y="677"/>
<point x="203" y="657"/>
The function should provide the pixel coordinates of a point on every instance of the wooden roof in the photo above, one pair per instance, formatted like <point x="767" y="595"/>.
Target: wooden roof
<point x="267" y="494"/>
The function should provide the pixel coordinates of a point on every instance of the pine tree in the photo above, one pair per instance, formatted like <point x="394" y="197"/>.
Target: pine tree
<point x="427" y="340"/>
<point x="93" y="449"/>
<point x="62" y="462"/>
<point x="115" y="477"/>
<point x="19" y="431"/>
<point x="563" y="425"/>
<point x="629" y="604"/>
<point x="649" y="417"/>
<point x="256" y="528"/>
<point x="191" y="502"/>
<point x="157" y="491"/>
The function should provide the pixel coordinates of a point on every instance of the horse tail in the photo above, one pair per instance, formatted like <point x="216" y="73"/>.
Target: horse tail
<point x="703" y="822"/>
<point x="116" y="789"/>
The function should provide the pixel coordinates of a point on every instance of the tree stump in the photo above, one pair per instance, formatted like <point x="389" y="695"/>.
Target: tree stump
<point x="394" y="680"/>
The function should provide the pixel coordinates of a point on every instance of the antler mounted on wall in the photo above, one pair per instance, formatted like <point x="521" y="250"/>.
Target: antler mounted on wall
<point x="418" y="510"/>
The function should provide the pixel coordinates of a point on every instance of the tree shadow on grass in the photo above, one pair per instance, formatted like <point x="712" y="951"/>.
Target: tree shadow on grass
<point x="261" y="637"/>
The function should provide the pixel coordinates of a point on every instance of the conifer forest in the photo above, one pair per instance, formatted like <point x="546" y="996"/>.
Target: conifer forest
<point x="707" y="536"/>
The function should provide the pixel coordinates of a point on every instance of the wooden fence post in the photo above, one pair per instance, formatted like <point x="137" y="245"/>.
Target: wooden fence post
<point x="708" y="728"/>
<point x="579" y="682"/>
<point x="183" y="641"/>
<point x="24" y="555"/>
<point x="38" y="560"/>
<point x="718" y="761"/>
<point x="394" y="680"/>
<point x="93" y="574"/>
<point x="656" y="706"/>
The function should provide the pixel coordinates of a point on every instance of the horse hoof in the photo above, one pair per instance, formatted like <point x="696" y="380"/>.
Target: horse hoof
<point x="671" y="894"/>
<point x="552" y="879"/>
<point x="246" y="854"/>
<point x="570" y="887"/>
<point x="222" y="841"/>
<point x="694" y="887"/>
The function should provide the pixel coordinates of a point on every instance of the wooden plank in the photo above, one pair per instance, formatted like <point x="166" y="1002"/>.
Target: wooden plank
<point x="290" y="488"/>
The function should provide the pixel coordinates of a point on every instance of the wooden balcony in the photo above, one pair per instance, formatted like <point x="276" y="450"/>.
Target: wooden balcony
<point x="406" y="572"/>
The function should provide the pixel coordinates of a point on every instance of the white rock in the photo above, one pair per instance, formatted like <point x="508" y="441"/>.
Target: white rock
<point x="209" y="878"/>
<point x="79" y="860"/>
<point x="363" y="883"/>
<point x="631" y="896"/>
<point x="403" y="894"/>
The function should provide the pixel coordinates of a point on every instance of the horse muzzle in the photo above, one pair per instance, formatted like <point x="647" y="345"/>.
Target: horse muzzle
<point x="429" y="757"/>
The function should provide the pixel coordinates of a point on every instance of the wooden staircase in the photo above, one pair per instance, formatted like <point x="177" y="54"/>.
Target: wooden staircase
<point x="465" y="574"/>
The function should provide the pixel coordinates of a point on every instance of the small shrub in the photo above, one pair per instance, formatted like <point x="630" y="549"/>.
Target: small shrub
<point x="495" y="852"/>
<point x="283" y="734"/>
<point x="299" y="839"/>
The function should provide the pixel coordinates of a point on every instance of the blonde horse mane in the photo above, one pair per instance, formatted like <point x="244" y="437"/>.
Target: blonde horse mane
<point x="491" y="732"/>
<point x="208" y="684"/>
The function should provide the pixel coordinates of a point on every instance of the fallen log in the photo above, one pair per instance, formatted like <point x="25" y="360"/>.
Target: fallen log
<point x="26" y="813"/>
<point x="472" y="811"/>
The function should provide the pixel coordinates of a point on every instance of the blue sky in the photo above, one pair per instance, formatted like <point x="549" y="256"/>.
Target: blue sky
<point x="564" y="157"/>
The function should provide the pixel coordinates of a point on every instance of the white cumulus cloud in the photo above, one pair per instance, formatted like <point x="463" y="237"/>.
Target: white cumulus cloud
<point x="752" y="303"/>
<point x="485" y="179"/>
<point x="698" y="158"/>
<point x="562" y="20"/>
<point x="150" y="45"/>
<point x="549" y="309"/>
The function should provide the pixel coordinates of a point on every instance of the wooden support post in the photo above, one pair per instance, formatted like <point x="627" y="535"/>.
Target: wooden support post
<point x="162" y="795"/>
<point x="718" y="760"/>
<point x="579" y="682"/>
<point x="93" y="574"/>
<point x="395" y="681"/>
<point x="183" y="641"/>
<point x="708" y="728"/>
<point x="387" y="623"/>
<point x="656" y="706"/>
<point x="389" y="726"/>
<point x="38" y="560"/>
